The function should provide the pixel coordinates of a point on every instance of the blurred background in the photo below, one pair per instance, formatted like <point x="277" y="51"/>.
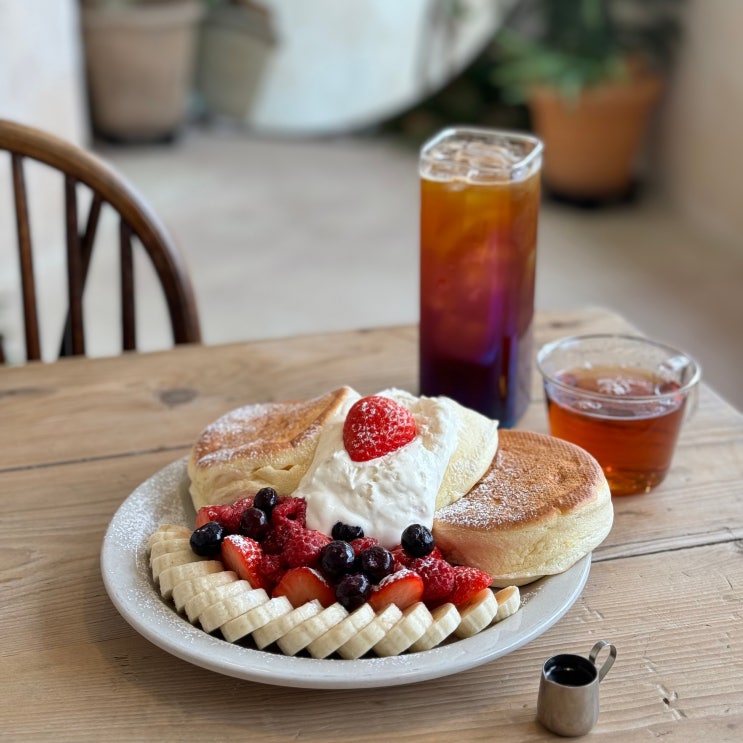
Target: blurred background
<point x="278" y="141"/>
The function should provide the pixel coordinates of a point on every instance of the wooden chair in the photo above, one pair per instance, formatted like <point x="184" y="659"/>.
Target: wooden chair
<point x="136" y="220"/>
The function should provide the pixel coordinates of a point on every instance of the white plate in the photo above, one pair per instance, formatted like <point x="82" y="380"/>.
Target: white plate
<point x="164" y="499"/>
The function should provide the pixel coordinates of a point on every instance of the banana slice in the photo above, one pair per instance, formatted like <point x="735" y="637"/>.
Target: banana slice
<point x="415" y="620"/>
<point x="171" y="559"/>
<point x="216" y="615"/>
<point x="367" y="637"/>
<point x="280" y="626"/>
<point x="187" y="589"/>
<point x="509" y="602"/>
<point x="199" y="603"/>
<point x="171" y="577"/>
<point x="301" y="636"/>
<point x="328" y="643"/>
<point x="478" y="614"/>
<point x="446" y="619"/>
<point x="167" y="531"/>
<point x="164" y="546"/>
<point x="253" y="619"/>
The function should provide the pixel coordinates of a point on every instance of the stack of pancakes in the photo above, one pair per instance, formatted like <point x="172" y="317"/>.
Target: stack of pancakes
<point x="516" y="504"/>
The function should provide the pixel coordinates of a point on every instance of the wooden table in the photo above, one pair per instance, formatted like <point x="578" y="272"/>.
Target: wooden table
<point x="78" y="436"/>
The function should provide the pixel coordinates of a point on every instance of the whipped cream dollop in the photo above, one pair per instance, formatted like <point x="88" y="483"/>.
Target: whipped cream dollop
<point x="386" y="494"/>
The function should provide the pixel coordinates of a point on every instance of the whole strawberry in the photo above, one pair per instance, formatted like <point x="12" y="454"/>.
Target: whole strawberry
<point x="376" y="426"/>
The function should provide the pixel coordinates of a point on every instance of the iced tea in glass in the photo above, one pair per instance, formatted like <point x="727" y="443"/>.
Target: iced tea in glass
<point x="623" y="399"/>
<point x="480" y="195"/>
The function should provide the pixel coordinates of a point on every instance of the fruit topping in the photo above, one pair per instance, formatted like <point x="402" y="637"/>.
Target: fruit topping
<point x="290" y="510"/>
<point x="403" y="588"/>
<point x="271" y="570"/>
<point x="266" y="499"/>
<point x="417" y="540"/>
<point x="346" y="532"/>
<point x="438" y="579"/>
<point x="468" y="582"/>
<point x="304" y="584"/>
<point x="254" y="523"/>
<point x="304" y="547"/>
<point x="359" y="545"/>
<point x="206" y="540"/>
<point x="353" y="590"/>
<point x="337" y="558"/>
<point x="377" y="562"/>
<point x="376" y="426"/>
<point x="243" y="556"/>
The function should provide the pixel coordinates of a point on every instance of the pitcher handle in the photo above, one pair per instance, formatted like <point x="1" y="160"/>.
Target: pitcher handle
<point x="609" y="662"/>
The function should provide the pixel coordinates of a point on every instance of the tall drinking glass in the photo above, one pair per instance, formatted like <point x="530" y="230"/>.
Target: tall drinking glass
<point x="480" y="196"/>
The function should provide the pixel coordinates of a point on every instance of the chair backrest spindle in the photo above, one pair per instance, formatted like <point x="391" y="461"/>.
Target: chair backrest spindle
<point x="128" y="317"/>
<point x="75" y="342"/>
<point x="25" y="257"/>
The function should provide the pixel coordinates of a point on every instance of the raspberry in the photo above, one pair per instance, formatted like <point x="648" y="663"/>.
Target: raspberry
<point x="273" y="543"/>
<point x="438" y="578"/>
<point x="271" y="569"/>
<point x="303" y="548"/>
<point x="290" y="509"/>
<point x="362" y="543"/>
<point x="468" y="582"/>
<point x="376" y="426"/>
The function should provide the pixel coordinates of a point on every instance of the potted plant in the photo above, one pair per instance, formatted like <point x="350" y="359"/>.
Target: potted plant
<point x="591" y="73"/>
<point x="235" y="44"/>
<point x="139" y="57"/>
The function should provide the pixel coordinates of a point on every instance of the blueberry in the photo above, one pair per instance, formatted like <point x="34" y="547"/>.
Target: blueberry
<point x="254" y="523"/>
<point x="337" y="558"/>
<point x="417" y="540"/>
<point x="206" y="541"/>
<point x="346" y="532"/>
<point x="266" y="500"/>
<point x="352" y="591"/>
<point x="377" y="562"/>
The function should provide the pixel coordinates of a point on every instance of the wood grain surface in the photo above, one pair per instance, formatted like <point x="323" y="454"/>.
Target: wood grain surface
<point x="79" y="435"/>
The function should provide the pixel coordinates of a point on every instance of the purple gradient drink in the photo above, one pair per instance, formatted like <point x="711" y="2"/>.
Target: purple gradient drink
<point x="480" y="194"/>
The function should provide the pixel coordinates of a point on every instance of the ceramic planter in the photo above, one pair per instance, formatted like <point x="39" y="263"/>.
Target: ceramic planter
<point x="592" y="144"/>
<point x="139" y="63"/>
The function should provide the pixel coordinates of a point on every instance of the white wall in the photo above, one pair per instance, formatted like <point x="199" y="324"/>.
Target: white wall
<point x="41" y="66"/>
<point x="41" y="84"/>
<point x="700" y="130"/>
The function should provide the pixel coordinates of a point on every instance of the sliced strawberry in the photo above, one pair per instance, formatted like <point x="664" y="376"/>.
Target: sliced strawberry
<point x="375" y="426"/>
<point x="404" y="559"/>
<point x="243" y="555"/>
<point x="304" y="584"/>
<point x="227" y="515"/>
<point x="403" y="588"/>
<point x="468" y="582"/>
<point x="438" y="578"/>
<point x="303" y="548"/>
<point x="221" y="514"/>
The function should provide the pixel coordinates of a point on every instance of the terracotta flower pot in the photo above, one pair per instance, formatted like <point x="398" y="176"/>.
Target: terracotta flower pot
<point x="592" y="144"/>
<point x="140" y="63"/>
